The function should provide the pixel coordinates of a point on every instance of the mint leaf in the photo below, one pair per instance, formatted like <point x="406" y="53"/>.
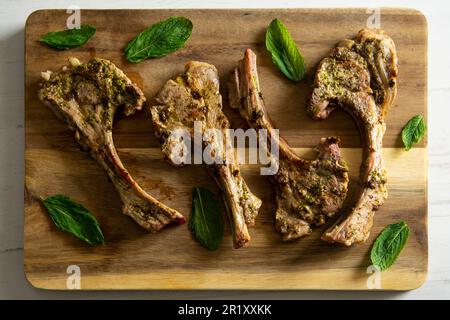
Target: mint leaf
<point x="71" y="38"/>
<point x="160" y="39"/>
<point x="413" y="131"/>
<point x="389" y="244"/>
<point x="206" y="222"/>
<point x="73" y="218"/>
<point x="285" y="54"/>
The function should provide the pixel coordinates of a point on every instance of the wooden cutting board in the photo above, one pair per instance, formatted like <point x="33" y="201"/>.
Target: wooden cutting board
<point x="133" y="259"/>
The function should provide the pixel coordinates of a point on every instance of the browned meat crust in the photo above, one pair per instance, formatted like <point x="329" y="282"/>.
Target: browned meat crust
<point x="87" y="96"/>
<point x="194" y="97"/>
<point x="307" y="192"/>
<point x="360" y="76"/>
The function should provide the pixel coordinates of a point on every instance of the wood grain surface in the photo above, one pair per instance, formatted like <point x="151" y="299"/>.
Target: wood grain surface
<point x="132" y="259"/>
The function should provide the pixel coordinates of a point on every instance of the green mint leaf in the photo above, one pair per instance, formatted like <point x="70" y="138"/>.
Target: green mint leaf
<point x="285" y="54"/>
<point x="160" y="39"/>
<point x="71" y="38"/>
<point x="389" y="244"/>
<point x="206" y="222"/>
<point x="413" y="131"/>
<point x="73" y="218"/>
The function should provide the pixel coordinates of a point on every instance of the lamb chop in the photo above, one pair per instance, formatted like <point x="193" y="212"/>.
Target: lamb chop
<point x="87" y="96"/>
<point x="308" y="192"/>
<point x="193" y="100"/>
<point x="360" y="76"/>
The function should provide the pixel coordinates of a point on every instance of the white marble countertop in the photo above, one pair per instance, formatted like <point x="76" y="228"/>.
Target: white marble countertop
<point x="13" y="284"/>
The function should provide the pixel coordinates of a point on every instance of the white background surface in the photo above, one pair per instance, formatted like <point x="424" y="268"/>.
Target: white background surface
<point x="13" y="14"/>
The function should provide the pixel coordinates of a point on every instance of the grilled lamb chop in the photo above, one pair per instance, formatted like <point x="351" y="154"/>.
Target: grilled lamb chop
<point x="360" y="77"/>
<point x="308" y="192"/>
<point x="87" y="96"/>
<point x="193" y="98"/>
